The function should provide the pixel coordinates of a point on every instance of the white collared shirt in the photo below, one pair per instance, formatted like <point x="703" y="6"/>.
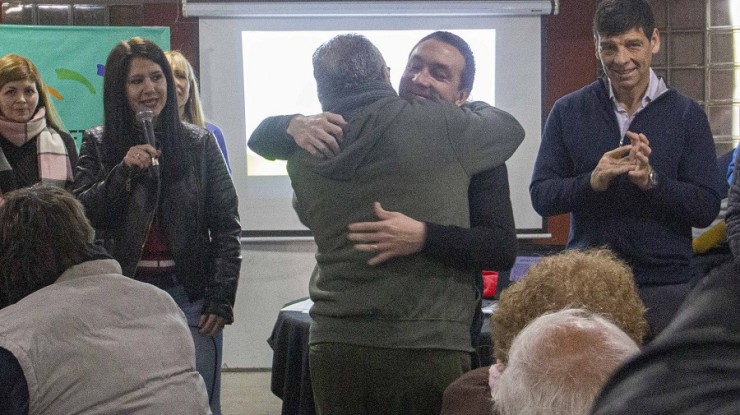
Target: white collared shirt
<point x="656" y="87"/>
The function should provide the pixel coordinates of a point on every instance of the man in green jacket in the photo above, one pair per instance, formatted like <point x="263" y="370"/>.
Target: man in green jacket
<point x="442" y="65"/>
<point x="389" y="338"/>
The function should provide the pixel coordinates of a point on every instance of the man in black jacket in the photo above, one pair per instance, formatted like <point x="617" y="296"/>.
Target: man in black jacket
<point x="693" y="366"/>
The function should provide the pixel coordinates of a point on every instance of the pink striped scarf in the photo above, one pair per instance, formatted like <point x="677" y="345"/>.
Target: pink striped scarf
<point x="55" y="168"/>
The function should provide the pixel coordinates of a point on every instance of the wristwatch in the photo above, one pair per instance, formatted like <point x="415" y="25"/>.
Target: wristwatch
<point x="654" y="179"/>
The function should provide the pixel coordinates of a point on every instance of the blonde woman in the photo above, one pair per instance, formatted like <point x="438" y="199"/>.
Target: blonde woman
<point x="188" y="98"/>
<point x="33" y="146"/>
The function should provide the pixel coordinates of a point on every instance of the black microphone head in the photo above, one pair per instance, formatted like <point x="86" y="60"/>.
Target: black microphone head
<point x="144" y="114"/>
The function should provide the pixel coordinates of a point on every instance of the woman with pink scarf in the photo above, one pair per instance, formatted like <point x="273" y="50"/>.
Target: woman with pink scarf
<point x="33" y="146"/>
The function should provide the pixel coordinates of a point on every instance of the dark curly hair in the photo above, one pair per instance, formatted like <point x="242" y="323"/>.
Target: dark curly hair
<point x="593" y="279"/>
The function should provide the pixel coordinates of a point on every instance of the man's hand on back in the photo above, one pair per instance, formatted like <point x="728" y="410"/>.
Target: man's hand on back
<point x="393" y="234"/>
<point x="318" y="134"/>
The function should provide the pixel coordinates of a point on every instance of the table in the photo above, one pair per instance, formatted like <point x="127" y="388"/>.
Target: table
<point x="291" y="378"/>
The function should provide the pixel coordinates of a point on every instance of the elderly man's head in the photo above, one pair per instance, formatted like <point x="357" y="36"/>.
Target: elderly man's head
<point x="344" y="63"/>
<point x="43" y="231"/>
<point x="592" y="279"/>
<point x="559" y="362"/>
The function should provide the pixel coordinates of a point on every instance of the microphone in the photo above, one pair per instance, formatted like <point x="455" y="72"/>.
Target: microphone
<point x="145" y="116"/>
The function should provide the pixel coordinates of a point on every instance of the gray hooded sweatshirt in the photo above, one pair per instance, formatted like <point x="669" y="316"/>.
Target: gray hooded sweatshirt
<point x="412" y="157"/>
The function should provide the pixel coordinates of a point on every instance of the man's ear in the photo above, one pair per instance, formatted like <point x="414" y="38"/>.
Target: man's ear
<point x="655" y="41"/>
<point x="387" y="75"/>
<point x="462" y="96"/>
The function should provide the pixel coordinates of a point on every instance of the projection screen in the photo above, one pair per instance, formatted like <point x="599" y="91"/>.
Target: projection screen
<point x="253" y="67"/>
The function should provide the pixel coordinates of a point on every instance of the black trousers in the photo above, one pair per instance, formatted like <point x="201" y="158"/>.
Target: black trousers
<point x="662" y="303"/>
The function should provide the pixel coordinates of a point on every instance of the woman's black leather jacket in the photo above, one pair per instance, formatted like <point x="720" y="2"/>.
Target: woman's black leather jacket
<point x="199" y="214"/>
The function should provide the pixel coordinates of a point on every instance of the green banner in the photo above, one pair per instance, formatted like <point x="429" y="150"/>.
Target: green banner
<point x="71" y="60"/>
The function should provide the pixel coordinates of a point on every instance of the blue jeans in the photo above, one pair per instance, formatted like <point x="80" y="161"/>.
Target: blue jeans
<point x="208" y="350"/>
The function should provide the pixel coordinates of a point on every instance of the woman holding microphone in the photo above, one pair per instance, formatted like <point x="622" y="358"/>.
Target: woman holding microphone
<point x="164" y="206"/>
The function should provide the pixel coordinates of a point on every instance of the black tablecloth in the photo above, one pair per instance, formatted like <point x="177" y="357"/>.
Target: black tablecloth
<point x="291" y="378"/>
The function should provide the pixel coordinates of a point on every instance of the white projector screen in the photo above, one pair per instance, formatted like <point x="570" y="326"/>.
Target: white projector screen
<point x="293" y="67"/>
<point x="251" y="68"/>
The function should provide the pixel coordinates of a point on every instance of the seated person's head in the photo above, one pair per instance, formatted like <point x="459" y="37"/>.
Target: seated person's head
<point x="558" y="363"/>
<point x="592" y="279"/>
<point x="43" y="231"/>
<point x="82" y="337"/>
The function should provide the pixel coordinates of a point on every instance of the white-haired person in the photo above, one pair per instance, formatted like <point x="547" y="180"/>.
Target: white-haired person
<point x="558" y="364"/>
<point x="592" y="279"/>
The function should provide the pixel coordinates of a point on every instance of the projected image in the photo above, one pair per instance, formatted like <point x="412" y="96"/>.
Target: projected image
<point x="277" y="64"/>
